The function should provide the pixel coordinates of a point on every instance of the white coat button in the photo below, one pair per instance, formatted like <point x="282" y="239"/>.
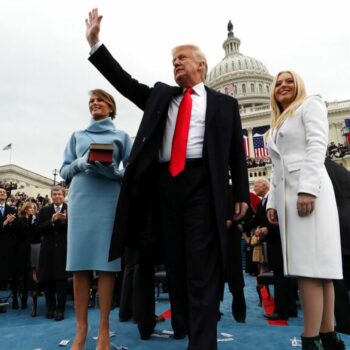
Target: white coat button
<point x="280" y="134"/>
<point x="144" y="139"/>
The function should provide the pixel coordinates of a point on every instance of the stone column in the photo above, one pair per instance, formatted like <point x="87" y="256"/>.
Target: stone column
<point x="338" y="131"/>
<point x="251" y="146"/>
<point x="332" y="133"/>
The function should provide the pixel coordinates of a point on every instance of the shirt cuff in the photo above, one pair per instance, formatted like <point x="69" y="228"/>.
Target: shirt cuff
<point x="95" y="48"/>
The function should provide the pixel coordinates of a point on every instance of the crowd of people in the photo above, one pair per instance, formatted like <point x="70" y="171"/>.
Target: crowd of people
<point x="31" y="247"/>
<point x="258" y="161"/>
<point x="333" y="151"/>
<point x="337" y="151"/>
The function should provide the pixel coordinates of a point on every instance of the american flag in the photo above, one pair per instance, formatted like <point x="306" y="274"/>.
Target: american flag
<point x="260" y="149"/>
<point x="246" y="142"/>
<point x="347" y="125"/>
<point x="7" y="147"/>
<point x="230" y="89"/>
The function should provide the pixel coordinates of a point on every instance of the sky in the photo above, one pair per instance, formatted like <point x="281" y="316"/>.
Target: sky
<point x="45" y="74"/>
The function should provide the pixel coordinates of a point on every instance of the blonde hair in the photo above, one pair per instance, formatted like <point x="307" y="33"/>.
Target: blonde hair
<point x="198" y="55"/>
<point x="23" y="209"/>
<point x="278" y="115"/>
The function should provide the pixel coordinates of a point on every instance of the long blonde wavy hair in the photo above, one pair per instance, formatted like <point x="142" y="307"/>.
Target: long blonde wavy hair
<point x="278" y="115"/>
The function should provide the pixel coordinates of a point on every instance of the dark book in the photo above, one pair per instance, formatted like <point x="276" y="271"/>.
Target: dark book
<point x="101" y="152"/>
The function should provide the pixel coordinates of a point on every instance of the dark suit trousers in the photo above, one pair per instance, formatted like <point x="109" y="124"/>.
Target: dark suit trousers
<point x="192" y="254"/>
<point x="285" y="302"/>
<point x="342" y="299"/>
<point x="52" y="288"/>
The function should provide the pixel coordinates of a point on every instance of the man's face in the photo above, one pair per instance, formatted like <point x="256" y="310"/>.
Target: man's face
<point x="260" y="188"/>
<point x="3" y="195"/>
<point x="187" y="70"/>
<point x="57" y="197"/>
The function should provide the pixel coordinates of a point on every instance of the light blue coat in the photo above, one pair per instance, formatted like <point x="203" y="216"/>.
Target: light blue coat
<point x="93" y="196"/>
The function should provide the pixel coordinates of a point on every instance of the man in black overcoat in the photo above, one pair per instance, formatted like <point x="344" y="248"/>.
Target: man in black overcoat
<point x="52" y="227"/>
<point x="8" y="237"/>
<point x="192" y="200"/>
<point x="340" y="178"/>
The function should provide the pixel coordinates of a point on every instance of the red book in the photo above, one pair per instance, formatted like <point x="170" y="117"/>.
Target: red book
<point x="102" y="152"/>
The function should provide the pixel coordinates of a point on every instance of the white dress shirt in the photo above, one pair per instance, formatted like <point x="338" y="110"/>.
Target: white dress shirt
<point x="197" y="125"/>
<point x="58" y="208"/>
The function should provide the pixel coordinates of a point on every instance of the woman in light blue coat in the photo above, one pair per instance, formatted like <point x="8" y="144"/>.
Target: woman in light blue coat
<point x="93" y="196"/>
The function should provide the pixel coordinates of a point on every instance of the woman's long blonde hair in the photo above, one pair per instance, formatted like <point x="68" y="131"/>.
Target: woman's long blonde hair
<point x="278" y="115"/>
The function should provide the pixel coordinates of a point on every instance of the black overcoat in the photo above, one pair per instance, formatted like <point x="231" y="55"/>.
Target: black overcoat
<point x="8" y="242"/>
<point x="222" y="151"/>
<point x="25" y="235"/>
<point x="340" y="178"/>
<point x="53" y="251"/>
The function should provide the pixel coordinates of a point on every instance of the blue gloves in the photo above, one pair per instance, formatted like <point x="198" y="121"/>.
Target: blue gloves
<point x="109" y="171"/>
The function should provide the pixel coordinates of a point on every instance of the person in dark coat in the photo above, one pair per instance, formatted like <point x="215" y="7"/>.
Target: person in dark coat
<point x="8" y="238"/>
<point x="138" y="298"/>
<point x="191" y="180"/>
<point x="285" y="303"/>
<point x="340" y="178"/>
<point x="234" y="269"/>
<point x="52" y="226"/>
<point x="25" y="234"/>
<point x="250" y="268"/>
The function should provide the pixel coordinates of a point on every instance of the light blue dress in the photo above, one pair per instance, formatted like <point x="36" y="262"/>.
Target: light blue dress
<point x="93" y="196"/>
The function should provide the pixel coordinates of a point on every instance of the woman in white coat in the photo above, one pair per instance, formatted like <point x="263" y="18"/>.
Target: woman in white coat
<point x="302" y="202"/>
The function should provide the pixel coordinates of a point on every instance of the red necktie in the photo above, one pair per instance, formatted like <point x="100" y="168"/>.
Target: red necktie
<point x="179" y="147"/>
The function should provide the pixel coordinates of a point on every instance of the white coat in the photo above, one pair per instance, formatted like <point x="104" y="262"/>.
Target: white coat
<point x="310" y="244"/>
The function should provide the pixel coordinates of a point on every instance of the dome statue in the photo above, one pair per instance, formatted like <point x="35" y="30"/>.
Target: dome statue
<point x="243" y="77"/>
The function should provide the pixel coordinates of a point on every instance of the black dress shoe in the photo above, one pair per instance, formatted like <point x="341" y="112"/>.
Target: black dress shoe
<point x="59" y="316"/>
<point x="145" y="332"/>
<point x="50" y="315"/>
<point x="275" y="316"/>
<point x="145" y="335"/>
<point x="240" y="319"/>
<point x="180" y="335"/>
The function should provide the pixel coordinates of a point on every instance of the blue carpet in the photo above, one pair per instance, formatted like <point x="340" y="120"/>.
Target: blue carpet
<point x="20" y="331"/>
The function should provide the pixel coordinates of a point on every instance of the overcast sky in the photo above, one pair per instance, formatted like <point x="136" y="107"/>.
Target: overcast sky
<point x="45" y="75"/>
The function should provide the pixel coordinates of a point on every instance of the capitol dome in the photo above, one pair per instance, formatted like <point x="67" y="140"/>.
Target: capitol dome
<point x="243" y="77"/>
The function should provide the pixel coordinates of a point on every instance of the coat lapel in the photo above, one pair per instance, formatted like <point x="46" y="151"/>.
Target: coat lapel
<point x="149" y="124"/>
<point x="213" y="103"/>
<point x="272" y="145"/>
